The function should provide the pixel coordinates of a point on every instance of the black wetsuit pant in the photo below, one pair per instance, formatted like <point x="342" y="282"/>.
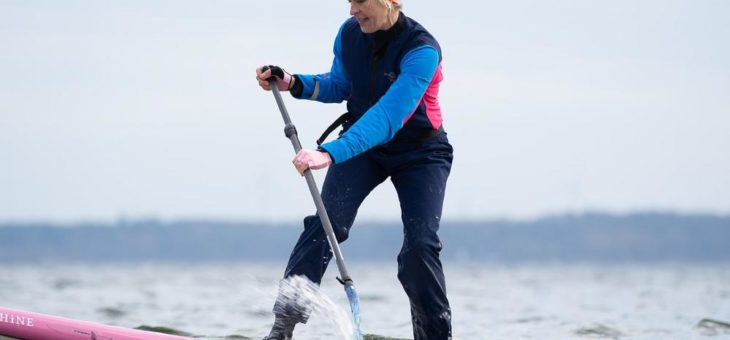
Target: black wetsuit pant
<point x="419" y="171"/>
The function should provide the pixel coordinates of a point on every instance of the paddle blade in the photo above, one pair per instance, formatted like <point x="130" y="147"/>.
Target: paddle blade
<point x="355" y="307"/>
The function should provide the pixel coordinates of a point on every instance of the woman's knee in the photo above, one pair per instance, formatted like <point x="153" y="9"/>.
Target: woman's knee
<point x="341" y="232"/>
<point x="416" y="257"/>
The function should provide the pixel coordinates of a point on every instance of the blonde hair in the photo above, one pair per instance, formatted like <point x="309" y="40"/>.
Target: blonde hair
<point x="390" y="5"/>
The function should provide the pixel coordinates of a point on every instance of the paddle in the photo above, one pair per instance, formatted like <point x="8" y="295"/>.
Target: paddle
<point x="291" y="133"/>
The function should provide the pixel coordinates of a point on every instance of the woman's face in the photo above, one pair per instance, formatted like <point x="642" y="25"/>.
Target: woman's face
<point x="370" y="14"/>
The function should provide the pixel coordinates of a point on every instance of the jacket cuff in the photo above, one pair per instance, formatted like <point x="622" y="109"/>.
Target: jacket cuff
<point x="322" y="149"/>
<point x="307" y="83"/>
<point x="297" y="88"/>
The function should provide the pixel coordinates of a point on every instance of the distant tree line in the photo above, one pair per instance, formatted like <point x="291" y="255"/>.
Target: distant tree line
<point x="647" y="237"/>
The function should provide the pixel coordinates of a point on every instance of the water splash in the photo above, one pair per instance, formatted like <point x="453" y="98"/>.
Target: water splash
<point x="306" y="296"/>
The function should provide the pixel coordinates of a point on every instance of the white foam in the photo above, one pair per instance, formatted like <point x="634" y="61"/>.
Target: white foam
<point x="303" y="293"/>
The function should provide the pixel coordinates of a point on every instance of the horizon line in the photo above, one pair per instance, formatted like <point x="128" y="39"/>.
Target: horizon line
<point x="151" y="219"/>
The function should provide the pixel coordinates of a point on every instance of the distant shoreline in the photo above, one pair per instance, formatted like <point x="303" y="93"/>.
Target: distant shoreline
<point x="605" y="238"/>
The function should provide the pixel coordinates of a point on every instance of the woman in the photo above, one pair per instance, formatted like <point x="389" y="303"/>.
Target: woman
<point x="388" y="69"/>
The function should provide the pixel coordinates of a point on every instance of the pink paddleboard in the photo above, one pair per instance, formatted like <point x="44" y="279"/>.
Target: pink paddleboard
<point x="34" y="326"/>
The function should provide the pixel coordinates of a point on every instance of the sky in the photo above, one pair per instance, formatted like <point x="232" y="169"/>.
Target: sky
<point x="149" y="109"/>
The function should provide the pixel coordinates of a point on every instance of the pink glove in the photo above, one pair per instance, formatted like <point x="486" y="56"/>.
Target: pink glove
<point x="284" y="80"/>
<point x="311" y="159"/>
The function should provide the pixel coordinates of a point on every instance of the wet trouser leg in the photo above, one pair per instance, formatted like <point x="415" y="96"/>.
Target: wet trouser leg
<point x="345" y="187"/>
<point x="420" y="188"/>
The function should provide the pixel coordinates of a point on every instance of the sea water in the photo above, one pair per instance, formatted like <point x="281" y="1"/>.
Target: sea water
<point x="556" y="301"/>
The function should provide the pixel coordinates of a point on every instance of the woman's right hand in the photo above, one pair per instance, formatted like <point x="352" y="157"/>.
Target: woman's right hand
<point x="311" y="159"/>
<point x="284" y="80"/>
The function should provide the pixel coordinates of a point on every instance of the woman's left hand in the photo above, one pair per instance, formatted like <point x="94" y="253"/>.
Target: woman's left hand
<point x="311" y="159"/>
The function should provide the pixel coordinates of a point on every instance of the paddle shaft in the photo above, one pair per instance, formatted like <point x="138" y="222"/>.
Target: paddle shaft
<point x="291" y="132"/>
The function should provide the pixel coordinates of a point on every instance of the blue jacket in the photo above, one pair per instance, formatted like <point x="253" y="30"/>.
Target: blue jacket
<point x="402" y="102"/>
